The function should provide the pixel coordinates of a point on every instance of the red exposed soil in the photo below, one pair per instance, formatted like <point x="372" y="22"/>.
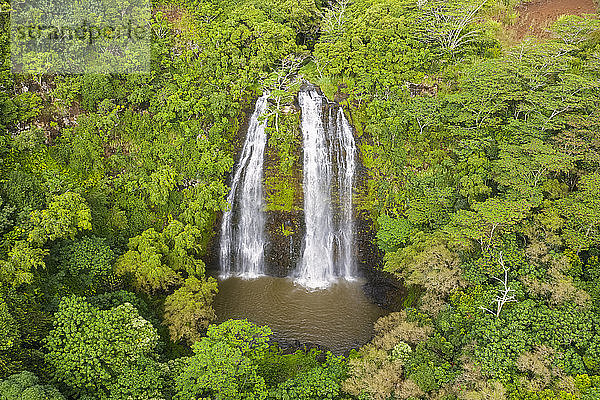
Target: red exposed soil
<point x="536" y="16"/>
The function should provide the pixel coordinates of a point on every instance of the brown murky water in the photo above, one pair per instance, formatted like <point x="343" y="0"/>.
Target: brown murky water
<point x="340" y="317"/>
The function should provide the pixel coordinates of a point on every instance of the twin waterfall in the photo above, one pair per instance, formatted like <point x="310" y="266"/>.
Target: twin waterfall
<point x="329" y="165"/>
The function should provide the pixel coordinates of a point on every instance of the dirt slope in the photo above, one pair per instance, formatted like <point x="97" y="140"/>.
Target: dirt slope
<point x="535" y="17"/>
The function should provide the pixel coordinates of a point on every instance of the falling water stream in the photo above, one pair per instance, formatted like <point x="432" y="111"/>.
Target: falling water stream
<point x="243" y="226"/>
<point x="346" y="152"/>
<point x="316" y="268"/>
<point x="329" y="167"/>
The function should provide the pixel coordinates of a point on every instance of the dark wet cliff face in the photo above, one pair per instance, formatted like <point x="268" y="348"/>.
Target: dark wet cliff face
<point x="285" y="232"/>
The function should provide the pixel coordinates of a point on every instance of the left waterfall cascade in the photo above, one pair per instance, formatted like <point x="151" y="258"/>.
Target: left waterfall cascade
<point x="243" y="239"/>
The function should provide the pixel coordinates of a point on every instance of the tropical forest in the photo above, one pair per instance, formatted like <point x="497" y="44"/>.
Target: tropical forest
<point x="300" y="200"/>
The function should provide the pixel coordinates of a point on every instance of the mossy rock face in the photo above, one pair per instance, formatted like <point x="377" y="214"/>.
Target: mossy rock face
<point x="283" y="161"/>
<point x="283" y="192"/>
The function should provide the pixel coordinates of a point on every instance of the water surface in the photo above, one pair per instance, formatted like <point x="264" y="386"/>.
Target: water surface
<point x="340" y="317"/>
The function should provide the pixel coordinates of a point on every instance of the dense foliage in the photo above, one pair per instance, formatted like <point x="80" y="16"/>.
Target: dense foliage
<point x="483" y="187"/>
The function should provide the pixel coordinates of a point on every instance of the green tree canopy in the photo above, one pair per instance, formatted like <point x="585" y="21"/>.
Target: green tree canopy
<point x="89" y="348"/>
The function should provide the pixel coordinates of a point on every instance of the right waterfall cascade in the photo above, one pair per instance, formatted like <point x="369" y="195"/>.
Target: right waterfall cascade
<point x="329" y="168"/>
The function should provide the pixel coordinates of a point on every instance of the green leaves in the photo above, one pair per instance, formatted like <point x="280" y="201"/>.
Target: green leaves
<point x="89" y="348"/>
<point x="581" y="212"/>
<point x="188" y="311"/>
<point x="234" y="361"/>
<point x="393" y="233"/>
<point x="371" y="45"/>
<point x="156" y="260"/>
<point x="320" y="382"/>
<point x="66" y="215"/>
<point x="452" y="24"/>
<point x="160" y="185"/>
<point x="88" y="262"/>
<point x="221" y="372"/>
<point x="160" y="261"/>
<point x="27" y="386"/>
<point x="525" y="168"/>
<point x="223" y="365"/>
<point x="250" y="339"/>
<point x="23" y="260"/>
<point x="142" y="379"/>
<point x="146" y="262"/>
<point x="9" y="329"/>
<point x="485" y="225"/>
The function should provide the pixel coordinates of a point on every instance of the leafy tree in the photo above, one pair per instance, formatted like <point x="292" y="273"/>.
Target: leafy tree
<point x="142" y="379"/>
<point x="96" y="88"/>
<point x="22" y="260"/>
<point x="156" y="260"/>
<point x="452" y="24"/>
<point x="66" y="215"/>
<point x="581" y="214"/>
<point x="89" y="348"/>
<point x="431" y="265"/>
<point x="393" y="233"/>
<point x="374" y="372"/>
<point x="320" y="382"/>
<point x="224" y="363"/>
<point x="88" y="260"/>
<point x="525" y="168"/>
<point x="188" y="310"/>
<point x="27" y="386"/>
<point x="489" y="221"/>
<point x="23" y="325"/>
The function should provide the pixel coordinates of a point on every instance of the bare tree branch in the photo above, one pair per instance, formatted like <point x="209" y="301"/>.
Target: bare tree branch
<point x="505" y="293"/>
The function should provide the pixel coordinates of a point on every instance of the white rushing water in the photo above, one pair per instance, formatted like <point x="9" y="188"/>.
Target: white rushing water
<point x="316" y="268"/>
<point x="242" y="243"/>
<point x="329" y="168"/>
<point x="346" y="171"/>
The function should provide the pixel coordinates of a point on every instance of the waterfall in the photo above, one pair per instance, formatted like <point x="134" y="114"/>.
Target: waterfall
<point x="329" y="167"/>
<point x="316" y="267"/>
<point x="346" y="170"/>
<point x="242" y="241"/>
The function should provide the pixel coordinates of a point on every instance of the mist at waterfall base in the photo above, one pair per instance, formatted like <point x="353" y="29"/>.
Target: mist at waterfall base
<point x="322" y="301"/>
